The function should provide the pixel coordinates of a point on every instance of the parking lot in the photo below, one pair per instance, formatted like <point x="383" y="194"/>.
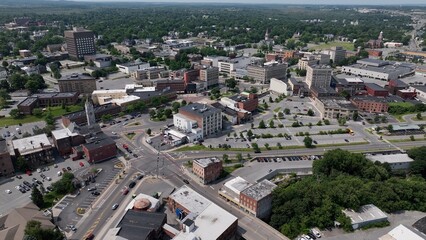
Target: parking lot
<point x="17" y="199"/>
<point x="8" y="132"/>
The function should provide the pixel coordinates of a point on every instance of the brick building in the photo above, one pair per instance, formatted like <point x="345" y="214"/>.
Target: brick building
<point x="82" y="84"/>
<point x="375" y="90"/>
<point x="36" y="150"/>
<point x="370" y="104"/>
<point x="191" y="75"/>
<point x="99" y="148"/>
<point x="175" y="85"/>
<point x="395" y="84"/>
<point x="246" y="101"/>
<point x="64" y="139"/>
<point x="47" y="100"/>
<point x="257" y="199"/>
<point x="6" y="165"/>
<point x="352" y="86"/>
<point x="80" y="117"/>
<point x="207" y="169"/>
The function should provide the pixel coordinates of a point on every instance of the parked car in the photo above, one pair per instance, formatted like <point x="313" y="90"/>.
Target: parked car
<point x="22" y="190"/>
<point x="18" y="176"/>
<point x="7" y="191"/>
<point x="132" y="184"/>
<point x="69" y="168"/>
<point x="64" y="170"/>
<point x="185" y="181"/>
<point x="90" y="237"/>
<point x="95" y="193"/>
<point x="50" y="188"/>
<point x="55" y="165"/>
<point x="48" y="178"/>
<point x="125" y="191"/>
<point x="139" y="177"/>
<point x="81" y="164"/>
<point x="91" y="189"/>
<point x="38" y="170"/>
<point x="115" y="206"/>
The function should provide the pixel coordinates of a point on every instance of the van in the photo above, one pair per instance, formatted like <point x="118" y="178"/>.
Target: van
<point x="59" y="173"/>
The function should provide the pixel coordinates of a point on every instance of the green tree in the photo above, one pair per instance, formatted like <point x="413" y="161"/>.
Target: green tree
<point x="106" y="118"/>
<point x="148" y="131"/>
<point x="311" y="112"/>
<point x="21" y="164"/>
<point x="262" y="124"/>
<point x="225" y="158"/>
<point x="279" y="145"/>
<point x="355" y="116"/>
<point x="271" y="124"/>
<point x="308" y="142"/>
<point x="5" y="64"/>
<point x="168" y="113"/>
<point x="390" y="128"/>
<point x="34" y="230"/>
<point x="342" y="121"/>
<point x="412" y="138"/>
<point x="152" y="113"/>
<point x="267" y="146"/>
<point x="249" y="134"/>
<point x="326" y="122"/>
<point x="65" y="184"/>
<point x="231" y="83"/>
<point x="280" y="115"/>
<point x="239" y="157"/>
<point x="37" y="197"/>
<point x="14" y="113"/>
<point x="286" y="111"/>
<point x="175" y="106"/>
<point x="419" y="116"/>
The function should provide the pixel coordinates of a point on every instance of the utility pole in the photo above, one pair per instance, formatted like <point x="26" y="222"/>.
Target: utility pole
<point x="158" y="159"/>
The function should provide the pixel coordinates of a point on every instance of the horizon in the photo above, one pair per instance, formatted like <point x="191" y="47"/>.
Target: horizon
<point x="278" y="2"/>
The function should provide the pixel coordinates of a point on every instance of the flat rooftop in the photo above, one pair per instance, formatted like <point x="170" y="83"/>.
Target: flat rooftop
<point x="237" y="184"/>
<point x="367" y="98"/>
<point x="259" y="190"/>
<point x="393" y="158"/>
<point x="200" y="109"/>
<point x="401" y="232"/>
<point x="191" y="200"/>
<point x="365" y="214"/>
<point x="28" y="101"/>
<point x="205" y="162"/>
<point x="385" y="69"/>
<point x="337" y="103"/>
<point x="76" y="76"/>
<point x="375" y="87"/>
<point x="31" y="144"/>
<point x="404" y="127"/>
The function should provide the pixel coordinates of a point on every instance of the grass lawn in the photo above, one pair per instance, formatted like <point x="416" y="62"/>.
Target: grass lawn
<point x="277" y="109"/>
<point x="56" y="112"/>
<point x="346" y="45"/>
<point x="230" y="169"/>
<point x="416" y="119"/>
<point x="130" y="135"/>
<point x="401" y="104"/>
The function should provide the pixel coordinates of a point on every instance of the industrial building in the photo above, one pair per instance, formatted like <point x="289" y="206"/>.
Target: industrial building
<point x="399" y="161"/>
<point x="378" y="69"/>
<point x="402" y="232"/>
<point x="367" y="214"/>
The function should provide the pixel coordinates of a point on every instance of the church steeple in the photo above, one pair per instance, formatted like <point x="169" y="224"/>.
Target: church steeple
<point x="381" y="36"/>
<point x="267" y="35"/>
<point x="90" y="113"/>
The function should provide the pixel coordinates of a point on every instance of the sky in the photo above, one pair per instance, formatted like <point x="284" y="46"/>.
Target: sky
<point x="319" y="2"/>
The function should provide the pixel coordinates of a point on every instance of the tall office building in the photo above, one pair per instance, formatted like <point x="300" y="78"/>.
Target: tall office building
<point x="318" y="76"/>
<point x="80" y="42"/>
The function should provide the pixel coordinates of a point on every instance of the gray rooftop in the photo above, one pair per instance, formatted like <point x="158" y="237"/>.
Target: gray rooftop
<point x="373" y="62"/>
<point x="76" y="76"/>
<point x="367" y="98"/>
<point x="259" y="190"/>
<point x="3" y="146"/>
<point x="375" y="87"/>
<point x="365" y="214"/>
<point x="337" y="102"/>
<point x="28" y="101"/>
<point x="190" y="200"/>
<point x="404" y="127"/>
<point x="401" y="69"/>
<point x="394" y="158"/>
<point x="31" y="144"/>
<point x="199" y="109"/>
<point x="204" y="162"/>
<point x="420" y="87"/>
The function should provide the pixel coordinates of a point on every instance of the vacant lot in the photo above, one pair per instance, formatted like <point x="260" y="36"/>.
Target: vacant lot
<point x="346" y="45"/>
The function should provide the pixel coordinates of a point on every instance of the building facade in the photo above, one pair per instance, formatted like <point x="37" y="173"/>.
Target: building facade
<point x="210" y="76"/>
<point x="336" y="107"/>
<point x="319" y="76"/>
<point x="80" y="42"/>
<point x="208" y="118"/>
<point x="375" y="90"/>
<point x="263" y="74"/>
<point x="207" y="169"/>
<point x="36" y="150"/>
<point x="257" y="199"/>
<point x="6" y="165"/>
<point x="370" y="104"/>
<point x="82" y="84"/>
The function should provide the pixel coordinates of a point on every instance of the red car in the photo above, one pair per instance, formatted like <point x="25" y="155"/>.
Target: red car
<point x="81" y="164"/>
<point x="125" y="192"/>
<point x="125" y="146"/>
<point x="29" y="173"/>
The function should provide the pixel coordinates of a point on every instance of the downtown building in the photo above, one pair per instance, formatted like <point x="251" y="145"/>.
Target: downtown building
<point x="264" y="73"/>
<point x="80" y="42"/>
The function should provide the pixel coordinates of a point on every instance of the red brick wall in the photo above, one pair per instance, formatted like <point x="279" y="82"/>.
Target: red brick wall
<point x="377" y="93"/>
<point x="101" y="153"/>
<point x="374" y="107"/>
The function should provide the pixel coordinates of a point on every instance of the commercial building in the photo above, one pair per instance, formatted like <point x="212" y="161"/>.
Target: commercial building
<point x="80" y="42"/>
<point x="352" y="86"/>
<point x="175" y="85"/>
<point x="264" y="73"/>
<point x="298" y="88"/>
<point x="337" y="54"/>
<point x="130" y="67"/>
<point x="13" y="224"/>
<point x="257" y="199"/>
<point x="378" y="69"/>
<point x="395" y="85"/>
<point x="232" y="189"/>
<point x="64" y="139"/>
<point x="323" y="92"/>
<point x="207" y="169"/>
<point x="335" y="107"/>
<point x="99" y="148"/>
<point x="278" y="86"/>
<point x="199" y="218"/>
<point x="233" y="114"/>
<point x="367" y="214"/>
<point x="245" y="101"/>
<point x="370" y="104"/>
<point x="228" y="66"/>
<point x="100" y="60"/>
<point x="318" y="75"/>
<point x="138" y="225"/>
<point x="396" y="161"/>
<point x="149" y="73"/>
<point x="308" y="60"/>
<point x="80" y="117"/>
<point x="375" y="90"/>
<point x="6" y="165"/>
<point x="198" y="115"/>
<point x="420" y="91"/>
<point x="82" y="84"/>
<point x="36" y="150"/>
<point x="402" y="232"/>
<point x="210" y="75"/>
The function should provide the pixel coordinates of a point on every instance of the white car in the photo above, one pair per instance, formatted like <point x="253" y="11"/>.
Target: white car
<point x="48" y="178"/>
<point x="38" y="170"/>
<point x="114" y="133"/>
<point x="17" y="187"/>
<point x="316" y="232"/>
<point x="8" y="191"/>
